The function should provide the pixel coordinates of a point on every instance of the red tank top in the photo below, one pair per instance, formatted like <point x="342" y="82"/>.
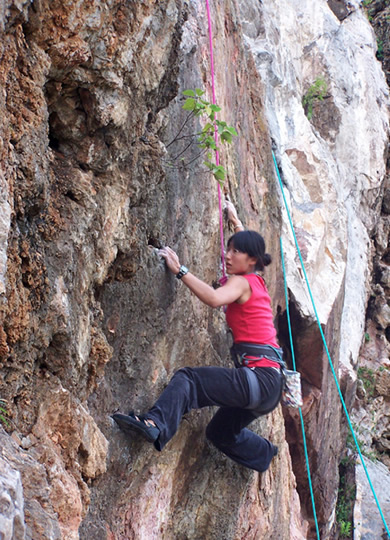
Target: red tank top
<point x="252" y="321"/>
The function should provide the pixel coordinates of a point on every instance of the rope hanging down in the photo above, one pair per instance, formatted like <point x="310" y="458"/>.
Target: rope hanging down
<point x="300" y="409"/>
<point x="216" y="137"/>
<point x="326" y="348"/>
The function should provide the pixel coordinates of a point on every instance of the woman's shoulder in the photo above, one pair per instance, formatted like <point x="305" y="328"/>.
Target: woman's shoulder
<point x="256" y="282"/>
<point x="256" y="278"/>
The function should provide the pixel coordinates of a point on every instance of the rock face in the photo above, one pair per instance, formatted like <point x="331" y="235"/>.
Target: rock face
<point x="11" y="503"/>
<point x="91" y="322"/>
<point x="367" y="524"/>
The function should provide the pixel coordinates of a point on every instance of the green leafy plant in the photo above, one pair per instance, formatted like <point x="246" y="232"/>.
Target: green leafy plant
<point x="368" y="378"/>
<point x="199" y="107"/>
<point x="366" y="5"/>
<point x="346" y="498"/>
<point x="316" y="92"/>
<point x="345" y="529"/>
<point x="3" y="412"/>
<point x="380" y="52"/>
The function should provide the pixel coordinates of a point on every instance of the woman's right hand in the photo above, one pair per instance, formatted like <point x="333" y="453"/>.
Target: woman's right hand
<point x="171" y="259"/>
<point x="232" y="215"/>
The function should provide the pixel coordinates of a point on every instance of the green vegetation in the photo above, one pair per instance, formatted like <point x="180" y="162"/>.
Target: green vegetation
<point x="379" y="51"/>
<point x="205" y="140"/>
<point x="366" y="4"/>
<point x="367" y="337"/>
<point x="3" y="412"/>
<point x="345" y="529"/>
<point x="346" y="498"/>
<point x="368" y="378"/>
<point x="316" y="92"/>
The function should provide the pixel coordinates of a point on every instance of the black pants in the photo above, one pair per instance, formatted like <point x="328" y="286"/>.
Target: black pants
<point x="194" y="388"/>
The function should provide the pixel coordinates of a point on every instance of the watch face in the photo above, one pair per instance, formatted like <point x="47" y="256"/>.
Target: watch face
<point x="182" y="272"/>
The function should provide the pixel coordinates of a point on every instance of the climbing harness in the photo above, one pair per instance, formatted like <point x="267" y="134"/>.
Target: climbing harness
<point x="244" y="354"/>
<point x="326" y="348"/>
<point x="240" y="352"/>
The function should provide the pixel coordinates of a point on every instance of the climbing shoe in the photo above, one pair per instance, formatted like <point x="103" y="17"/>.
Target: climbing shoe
<point x="275" y="450"/>
<point x="132" y="423"/>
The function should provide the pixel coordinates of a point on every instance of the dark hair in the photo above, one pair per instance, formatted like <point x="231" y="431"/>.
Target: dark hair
<point x="252" y="243"/>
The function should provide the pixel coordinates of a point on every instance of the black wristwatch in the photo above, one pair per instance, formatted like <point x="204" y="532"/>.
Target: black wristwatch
<point x="183" y="270"/>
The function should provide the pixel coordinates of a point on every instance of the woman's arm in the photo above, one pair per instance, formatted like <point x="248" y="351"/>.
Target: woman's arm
<point x="236" y="286"/>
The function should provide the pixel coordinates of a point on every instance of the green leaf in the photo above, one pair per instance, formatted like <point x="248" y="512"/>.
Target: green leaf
<point x="189" y="93"/>
<point x="199" y="92"/>
<point x="209" y="165"/>
<point x="215" y="108"/>
<point x="4" y="420"/>
<point x="219" y="175"/>
<point x="207" y="127"/>
<point x="232" y="130"/>
<point x="189" y="104"/>
<point x="219" y="179"/>
<point x="210" y="143"/>
<point x="226" y="137"/>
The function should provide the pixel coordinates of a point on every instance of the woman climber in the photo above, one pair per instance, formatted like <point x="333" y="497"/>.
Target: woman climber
<point x="243" y="394"/>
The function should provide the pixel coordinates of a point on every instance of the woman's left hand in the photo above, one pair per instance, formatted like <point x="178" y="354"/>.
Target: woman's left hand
<point x="171" y="259"/>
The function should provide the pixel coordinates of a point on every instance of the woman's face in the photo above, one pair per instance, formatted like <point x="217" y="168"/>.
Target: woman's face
<point x="238" y="262"/>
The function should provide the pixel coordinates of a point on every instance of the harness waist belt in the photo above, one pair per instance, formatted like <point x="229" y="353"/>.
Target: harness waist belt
<point x="242" y="350"/>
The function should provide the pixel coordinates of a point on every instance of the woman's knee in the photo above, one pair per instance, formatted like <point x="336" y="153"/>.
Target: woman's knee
<point x="217" y="435"/>
<point x="182" y="380"/>
<point x="183" y="373"/>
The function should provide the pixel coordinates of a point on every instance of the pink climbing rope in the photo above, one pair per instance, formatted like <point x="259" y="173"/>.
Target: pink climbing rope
<point x="216" y="138"/>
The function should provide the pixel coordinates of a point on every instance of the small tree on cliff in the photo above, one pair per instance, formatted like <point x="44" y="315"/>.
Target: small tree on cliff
<point x="198" y="107"/>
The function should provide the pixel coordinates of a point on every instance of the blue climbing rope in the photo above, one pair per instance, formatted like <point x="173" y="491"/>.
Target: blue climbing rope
<point x="300" y="410"/>
<point x="326" y="349"/>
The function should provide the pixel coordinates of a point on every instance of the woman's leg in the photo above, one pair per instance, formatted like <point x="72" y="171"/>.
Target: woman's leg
<point x="228" y="433"/>
<point x="193" y="388"/>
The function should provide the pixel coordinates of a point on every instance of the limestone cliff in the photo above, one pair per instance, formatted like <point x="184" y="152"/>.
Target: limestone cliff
<point x="91" y="322"/>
